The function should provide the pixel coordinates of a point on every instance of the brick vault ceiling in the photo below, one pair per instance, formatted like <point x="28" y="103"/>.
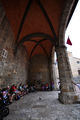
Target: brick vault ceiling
<point x="33" y="16"/>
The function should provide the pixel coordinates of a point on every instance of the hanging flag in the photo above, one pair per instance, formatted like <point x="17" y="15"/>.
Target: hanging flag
<point x="69" y="41"/>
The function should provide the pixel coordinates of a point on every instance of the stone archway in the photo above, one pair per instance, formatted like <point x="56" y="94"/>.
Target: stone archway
<point x="55" y="29"/>
<point x="67" y="94"/>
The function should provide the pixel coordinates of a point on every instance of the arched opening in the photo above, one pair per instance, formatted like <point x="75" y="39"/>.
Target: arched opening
<point x="37" y="19"/>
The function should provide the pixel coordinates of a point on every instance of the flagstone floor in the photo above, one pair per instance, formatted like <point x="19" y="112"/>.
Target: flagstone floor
<point x="42" y="106"/>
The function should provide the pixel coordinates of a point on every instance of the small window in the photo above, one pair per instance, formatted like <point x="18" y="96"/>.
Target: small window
<point x="78" y="72"/>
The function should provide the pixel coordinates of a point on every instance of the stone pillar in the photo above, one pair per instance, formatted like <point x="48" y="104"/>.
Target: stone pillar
<point x="53" y="70"/>
<point x="50" y="73"/>
<point x="54" y="79"/>
<point x="67" y="94"/>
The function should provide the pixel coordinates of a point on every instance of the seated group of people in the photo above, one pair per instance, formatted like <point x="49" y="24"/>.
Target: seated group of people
<point x="9" y="94"/>
<point x="14" y="92"/>
<point x="45" y="87"/>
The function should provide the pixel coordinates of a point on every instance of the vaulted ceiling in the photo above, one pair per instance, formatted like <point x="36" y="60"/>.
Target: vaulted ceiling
<point x="35" y="23"/>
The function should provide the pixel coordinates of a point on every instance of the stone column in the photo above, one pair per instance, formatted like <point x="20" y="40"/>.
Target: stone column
<point x="50" y="73"/>
<point x="53" y="69"/>
<point x="67" y="93"/>
<point x="54" y="79"/>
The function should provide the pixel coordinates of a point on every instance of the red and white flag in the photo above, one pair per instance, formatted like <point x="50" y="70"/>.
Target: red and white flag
<point x="69" y="41"/>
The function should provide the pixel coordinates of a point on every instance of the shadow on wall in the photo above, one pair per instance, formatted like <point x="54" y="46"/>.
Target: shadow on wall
<point x="39" y="70"/>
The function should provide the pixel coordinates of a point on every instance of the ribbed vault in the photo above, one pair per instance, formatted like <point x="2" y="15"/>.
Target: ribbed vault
<point x="35" y="23"/>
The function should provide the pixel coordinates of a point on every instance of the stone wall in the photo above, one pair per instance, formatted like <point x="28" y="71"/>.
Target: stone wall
<point x="13" y="69"/>
<point x="75" y="66"/>
<point x="39" y="70"/>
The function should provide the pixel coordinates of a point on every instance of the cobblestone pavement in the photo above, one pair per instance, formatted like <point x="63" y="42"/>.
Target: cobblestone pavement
<point x="42" y="106"/>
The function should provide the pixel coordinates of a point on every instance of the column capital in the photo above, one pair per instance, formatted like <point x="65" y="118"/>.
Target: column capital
<point x="61" y="47"/>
